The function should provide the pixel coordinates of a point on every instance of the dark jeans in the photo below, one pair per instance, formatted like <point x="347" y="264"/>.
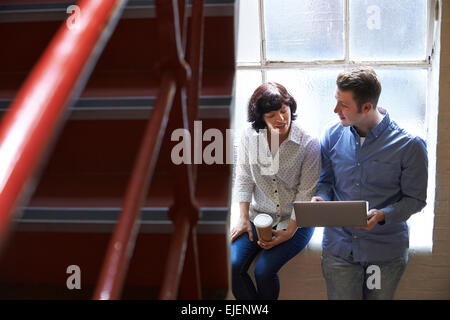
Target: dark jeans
<point x="349" y="280"/>
<point x="243" y="252"/>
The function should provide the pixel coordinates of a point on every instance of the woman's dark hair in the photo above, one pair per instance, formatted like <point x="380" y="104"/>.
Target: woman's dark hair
<point x="269" y="97"/>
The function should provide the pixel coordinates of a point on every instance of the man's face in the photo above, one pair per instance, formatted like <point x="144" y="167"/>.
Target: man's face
<point x="279" y="121"/>
<point x="347" y="108"/>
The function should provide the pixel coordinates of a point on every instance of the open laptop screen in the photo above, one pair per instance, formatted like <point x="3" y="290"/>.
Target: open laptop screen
<point x="331" y="213"/>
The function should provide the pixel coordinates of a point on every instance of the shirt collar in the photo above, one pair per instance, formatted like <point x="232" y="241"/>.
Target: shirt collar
<point x="376" y="132"/>
<point x="295" y="134"/>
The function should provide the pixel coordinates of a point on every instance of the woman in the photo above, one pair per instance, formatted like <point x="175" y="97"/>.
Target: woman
<point x="278" y="163"/>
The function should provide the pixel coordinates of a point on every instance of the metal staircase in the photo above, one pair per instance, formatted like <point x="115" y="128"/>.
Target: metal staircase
<point x="69" y="206"/>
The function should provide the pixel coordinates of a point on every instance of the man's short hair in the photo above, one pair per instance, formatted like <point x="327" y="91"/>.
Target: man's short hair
<point x="363" y="82"/>
<point x="266" y="98"/>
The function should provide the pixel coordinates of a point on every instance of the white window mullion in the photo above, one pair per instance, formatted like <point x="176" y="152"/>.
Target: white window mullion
<point x="262" y="33"/>
<point x="430" y="29"/>
<point x="333" y="64"/>
<point x="347" y="31"/>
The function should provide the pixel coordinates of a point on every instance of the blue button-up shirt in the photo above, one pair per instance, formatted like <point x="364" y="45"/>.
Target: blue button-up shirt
<point x="389" y="170"/>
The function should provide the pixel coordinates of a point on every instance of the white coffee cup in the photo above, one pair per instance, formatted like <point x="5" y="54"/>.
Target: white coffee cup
<point x="263" y="224"/>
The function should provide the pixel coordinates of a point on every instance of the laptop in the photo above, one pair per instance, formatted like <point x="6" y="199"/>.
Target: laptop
<point x="331" y="213"/>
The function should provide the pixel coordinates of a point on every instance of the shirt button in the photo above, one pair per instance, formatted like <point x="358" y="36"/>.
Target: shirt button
<point x="357" y="184"/>
<point x="276" y="191"/>
<point x="355" y="237"/>
<point x="273" y="180"/>
<point x="359" y="164"/>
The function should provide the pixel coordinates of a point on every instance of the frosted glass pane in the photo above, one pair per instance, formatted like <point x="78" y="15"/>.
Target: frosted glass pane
<point x="304" y="30"/>
<point x="246" y="83"/>
<point x="313" y="89"/>
<point x="248" y="49"/>
<point x="388" y="30"/>
<point x="404" y="95"/>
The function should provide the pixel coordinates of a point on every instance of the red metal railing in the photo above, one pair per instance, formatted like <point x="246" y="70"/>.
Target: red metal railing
<point x="122" y="244"/>
<point x="183" y="252"/>
<point x="184" y="213"/>
<point x="39" y="109"/>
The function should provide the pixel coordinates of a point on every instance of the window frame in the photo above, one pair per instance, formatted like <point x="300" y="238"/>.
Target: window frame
<point x="430" y="62"/>
<point x="265" y="64"/>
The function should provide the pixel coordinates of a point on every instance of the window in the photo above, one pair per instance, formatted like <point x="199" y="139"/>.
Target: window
<point x="305" y="44"/>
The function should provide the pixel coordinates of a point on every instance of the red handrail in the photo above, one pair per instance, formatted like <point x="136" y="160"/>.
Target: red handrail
<point x="184" y="213"/>
<point x="182" y="262"/>
<point x="191" y="279"/>
<point x="176" y="257"/>
<point x="195" y="59"/>
<point x="39" y="109"/>
<point x="122" y="244"/>
<point x="123" y="240"/>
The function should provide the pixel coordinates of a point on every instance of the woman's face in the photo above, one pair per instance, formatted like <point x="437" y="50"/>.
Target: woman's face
<point x="279" y="121"/>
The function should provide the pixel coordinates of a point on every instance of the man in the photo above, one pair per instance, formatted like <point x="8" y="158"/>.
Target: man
<point x="367" y="156"/>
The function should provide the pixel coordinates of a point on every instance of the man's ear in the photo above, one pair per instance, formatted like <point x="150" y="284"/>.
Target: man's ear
<point x="366" y="107"/>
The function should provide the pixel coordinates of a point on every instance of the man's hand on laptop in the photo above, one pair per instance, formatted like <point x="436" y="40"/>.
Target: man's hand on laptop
<point x="316" y="199"/>
<point x="374" y="216"/>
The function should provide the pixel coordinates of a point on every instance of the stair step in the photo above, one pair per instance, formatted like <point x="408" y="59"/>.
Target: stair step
<point x="126" y="66"/>
<point x="128" y="108"/>
<point x="55" y="292"/>
<point x="109" y="190"/>
<point x="92" y="161"/>
<point x="54" y="10"/>
<point x="100" y="220"/>
<point x="42" y="258"/>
